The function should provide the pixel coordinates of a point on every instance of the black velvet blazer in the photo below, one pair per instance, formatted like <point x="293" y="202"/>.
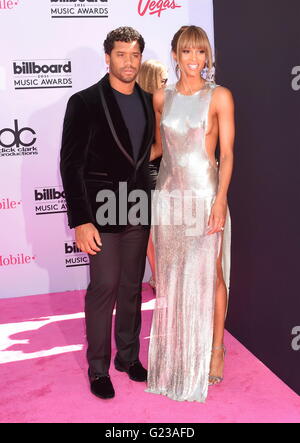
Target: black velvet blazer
<point x="97" y="154"/>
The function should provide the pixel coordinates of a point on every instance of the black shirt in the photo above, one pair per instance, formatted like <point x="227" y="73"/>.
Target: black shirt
<point x="133" y="113"/>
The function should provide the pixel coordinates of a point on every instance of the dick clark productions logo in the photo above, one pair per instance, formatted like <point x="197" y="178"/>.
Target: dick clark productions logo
<point x="79" y="8"/>
<point x="17" y="141"/>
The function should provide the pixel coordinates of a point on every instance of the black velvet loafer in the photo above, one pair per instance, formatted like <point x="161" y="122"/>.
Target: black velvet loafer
<point x="134" y="369"/>
<point x="101" y="386"/>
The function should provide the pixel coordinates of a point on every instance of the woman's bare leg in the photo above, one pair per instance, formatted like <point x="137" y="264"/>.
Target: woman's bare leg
<point x="151" y="256"/>
<point x="217" y="358"/>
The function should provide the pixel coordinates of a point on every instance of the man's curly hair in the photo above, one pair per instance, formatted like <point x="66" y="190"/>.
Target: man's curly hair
<point x="123" y="34"/>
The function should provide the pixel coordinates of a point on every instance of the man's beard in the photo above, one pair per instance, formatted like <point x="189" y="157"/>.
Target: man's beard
<point x="123" y="77"/>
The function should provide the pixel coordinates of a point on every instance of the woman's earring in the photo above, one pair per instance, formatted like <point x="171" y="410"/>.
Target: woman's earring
<point x="208" y="73"/>
<point x="204" y="71"/>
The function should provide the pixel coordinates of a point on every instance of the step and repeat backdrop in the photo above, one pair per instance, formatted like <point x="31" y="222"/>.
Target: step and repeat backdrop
<point x="51" y="49"/>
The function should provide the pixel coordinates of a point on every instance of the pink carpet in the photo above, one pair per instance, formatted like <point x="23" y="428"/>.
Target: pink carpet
<point x="43" y="374"/>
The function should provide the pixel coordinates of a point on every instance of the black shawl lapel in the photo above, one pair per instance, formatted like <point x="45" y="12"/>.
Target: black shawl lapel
<point x="115" y="118"/>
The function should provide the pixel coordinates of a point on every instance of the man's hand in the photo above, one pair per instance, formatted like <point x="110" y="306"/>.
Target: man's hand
<point x="88" y="238"/>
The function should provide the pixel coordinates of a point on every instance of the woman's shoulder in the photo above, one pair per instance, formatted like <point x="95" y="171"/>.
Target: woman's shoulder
<point x="221" y="96"/>
<point x="162" y="91"/>
<point x="219" y="89"/>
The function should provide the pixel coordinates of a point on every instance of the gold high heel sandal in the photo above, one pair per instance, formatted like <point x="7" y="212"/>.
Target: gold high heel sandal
<point x="216" y="379"/>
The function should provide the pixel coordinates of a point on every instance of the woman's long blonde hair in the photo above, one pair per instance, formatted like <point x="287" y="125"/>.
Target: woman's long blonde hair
<point x="149" y="77"/>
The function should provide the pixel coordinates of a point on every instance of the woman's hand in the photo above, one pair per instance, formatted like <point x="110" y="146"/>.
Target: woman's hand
<point x="217" y="216"/>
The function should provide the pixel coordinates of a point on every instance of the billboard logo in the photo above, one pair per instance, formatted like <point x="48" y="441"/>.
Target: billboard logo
<point x="79" y="8"/>
<point x="74" y="256"/>
<point x="17" y="141"/>
<point x="51" y="200"/>
<point x="156" y="7"/>
<point x="42" y="74"/>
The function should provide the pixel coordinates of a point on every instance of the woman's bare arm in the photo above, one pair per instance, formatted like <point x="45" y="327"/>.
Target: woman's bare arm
<point x="158" y="104"/>
<point x="224" y="105"/>
<point x="225" y="114"/>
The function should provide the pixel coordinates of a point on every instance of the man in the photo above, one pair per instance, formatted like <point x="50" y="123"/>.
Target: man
<point x="107" y="136"/>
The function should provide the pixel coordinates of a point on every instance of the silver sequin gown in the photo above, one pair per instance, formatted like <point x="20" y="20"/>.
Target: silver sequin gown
<point x="182" y="326"/>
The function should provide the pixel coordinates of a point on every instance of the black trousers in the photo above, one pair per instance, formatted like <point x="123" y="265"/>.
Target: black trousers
<point x="116" y="275"/>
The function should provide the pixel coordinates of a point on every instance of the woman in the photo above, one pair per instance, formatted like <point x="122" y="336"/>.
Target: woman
<point x="153" y="75"/>
<point x="186" y="351"/>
